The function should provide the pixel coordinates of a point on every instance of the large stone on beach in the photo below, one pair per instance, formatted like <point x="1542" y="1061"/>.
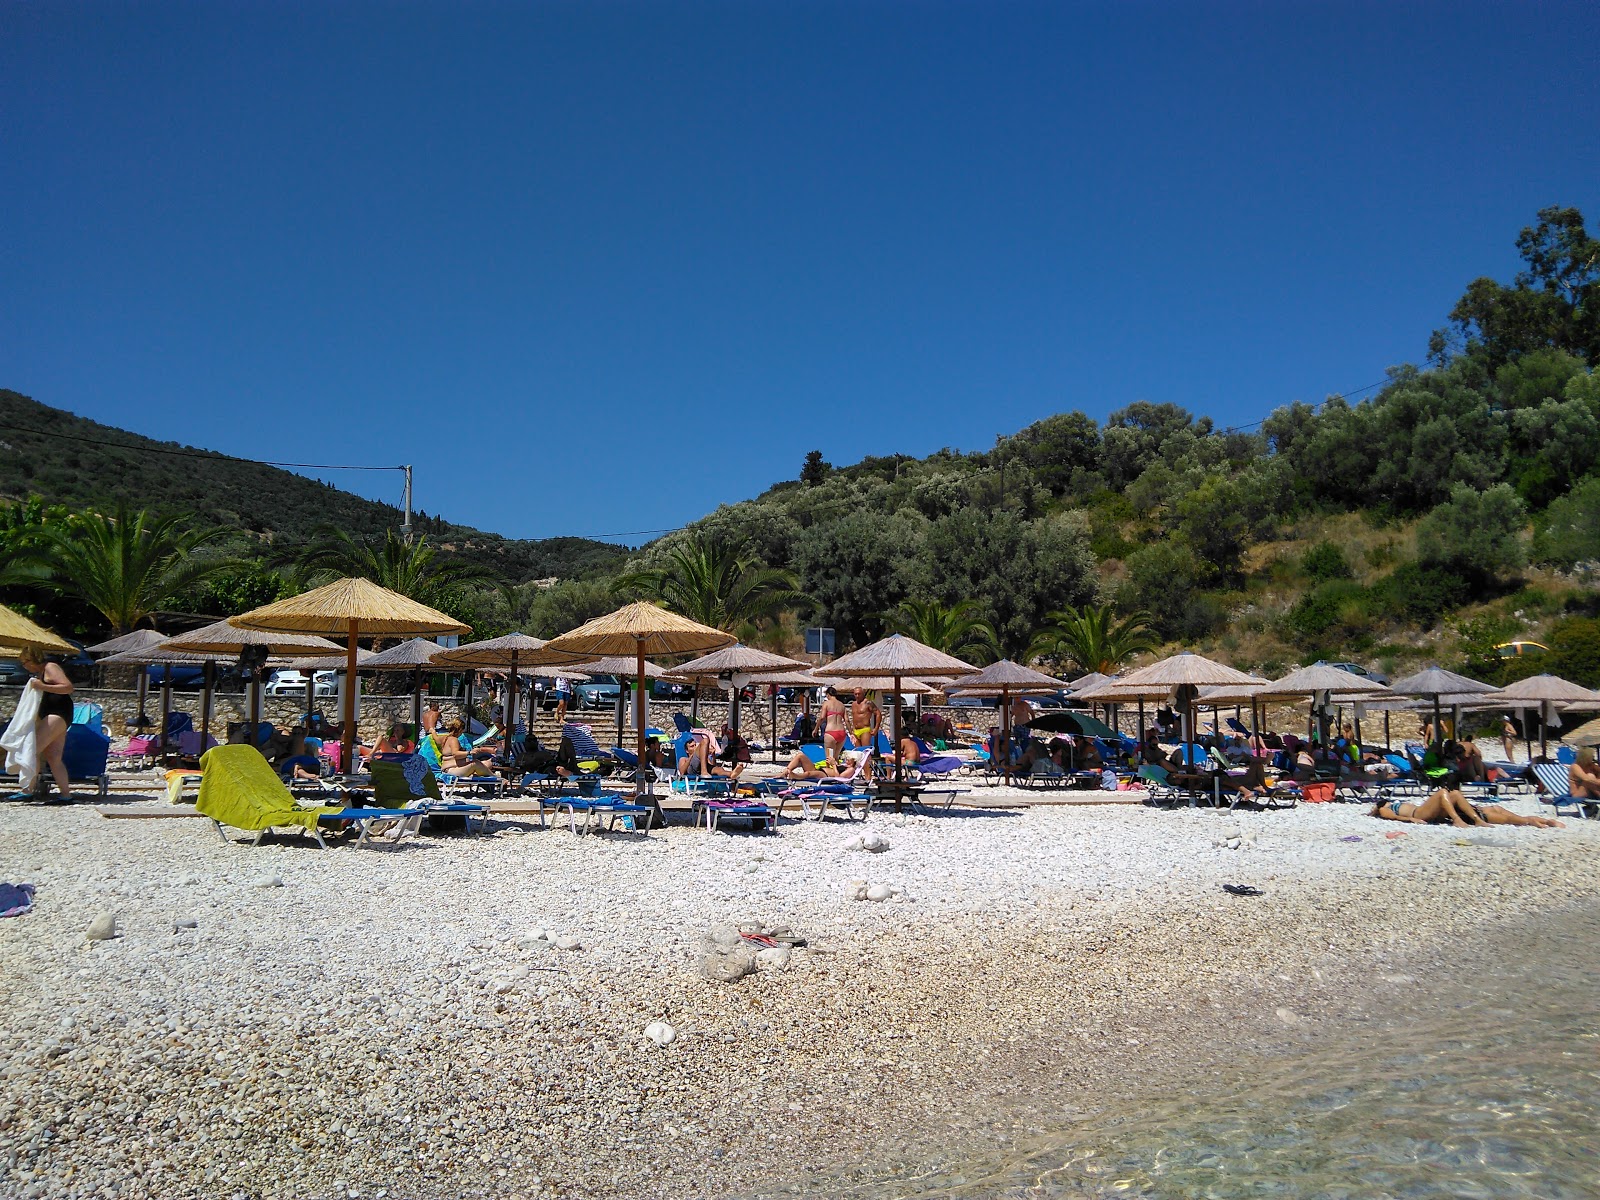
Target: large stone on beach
<point x="773" y="958"/>
<point x="102" y="929"/>
<point x="660" y="1033"/>
<point x="879" y="892"/>
<point x="728" y="967"/>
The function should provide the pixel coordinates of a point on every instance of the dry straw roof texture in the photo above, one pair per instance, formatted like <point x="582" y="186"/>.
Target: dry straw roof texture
<point x="1090" y="680"/>
<point x="139" y="639"/>
<point x="1435" y="681"/>
<point x="616" y="664"/>
<point x="17" y="632"/>
<point x="1012" y="676"/>
<point x="1115" y="691"/>
<point x="499" y="654"/>
<point x="162" y="656"/>
<point x="225" y="637"/>
<point x="789" y="679"/>
<point x="737" y="658"/>
<point x="1193" y="670"/>
<point x="331" y="608"/>
<point x="1322" y="678"/>
<point x="1585" y="735"/>
<point x="332" y="662"/>
<point x="895" y="655"/>
<point x="645" y="626"/>
<point x="1541" y="688"/>
<point x="404" y="656"/>
<point x="876" y="683"/>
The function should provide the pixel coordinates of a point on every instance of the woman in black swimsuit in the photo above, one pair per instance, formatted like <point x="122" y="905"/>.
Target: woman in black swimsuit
<point x="55" y="716"/>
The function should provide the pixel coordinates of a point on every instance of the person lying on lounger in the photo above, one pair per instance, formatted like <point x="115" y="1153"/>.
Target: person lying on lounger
<point x="801" y="767"/>
<point x="1447" y="807"/>
<point x="457" y="760"/>
<point x="1250" y="785"/>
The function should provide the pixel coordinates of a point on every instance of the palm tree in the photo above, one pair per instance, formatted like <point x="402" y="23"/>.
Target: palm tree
<point x="412" y="569"/>
<point x="126" y="566"/>
<point x="1092" y="638"/>
<point x="23" y="527"/>
<point x="708" y="580"/>
<point x="958" y="629"/>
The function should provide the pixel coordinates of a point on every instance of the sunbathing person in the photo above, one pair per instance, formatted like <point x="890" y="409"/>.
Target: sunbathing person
<point x="1583" y="777"/>
<point x="910" y="751"/>
<point x="455" y="758"/>
<point x="801" y="767"/>
<point x="1447" y="807"/>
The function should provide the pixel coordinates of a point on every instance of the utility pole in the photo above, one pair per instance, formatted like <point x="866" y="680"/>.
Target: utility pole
<point x="405" y="525"/>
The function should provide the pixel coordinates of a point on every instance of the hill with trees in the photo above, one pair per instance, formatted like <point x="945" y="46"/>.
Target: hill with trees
<point x="1456" y="507"/>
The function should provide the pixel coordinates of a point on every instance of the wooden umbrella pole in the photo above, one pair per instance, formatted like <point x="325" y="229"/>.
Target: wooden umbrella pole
<point x="347" y="741"/>
<point x="897" y="765"/>
<point x="638" y="719"/>
<point x="1005" y="737"/>
<point x="166" y="708"/>
<point x="774" y="699"/>
<point x="144" y="692"/>
<point x="416" y="704"/>
<point x="208" y="673"/>
<point x="311" y="696"/>
<point x="513" y="694"/>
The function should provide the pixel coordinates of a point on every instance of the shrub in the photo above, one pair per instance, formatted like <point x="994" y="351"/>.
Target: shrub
<point x="1570" y="531"/>
<point x="1475" y="532"/>
<point x="1325" y="561"/>
<point x="1422" y="593"/>
<point x="1575" y="651"/>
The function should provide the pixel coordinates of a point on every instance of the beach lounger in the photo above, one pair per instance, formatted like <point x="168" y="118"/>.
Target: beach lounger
<point x="713" y="811"/>
<point x="1557" y="793"/>
<point x="407" y="782"/>
<point x="607" y="808"/>
<point x="240" y="790"/>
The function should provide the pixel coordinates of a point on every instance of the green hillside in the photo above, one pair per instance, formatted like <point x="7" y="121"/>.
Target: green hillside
<point x="73" y="461"/>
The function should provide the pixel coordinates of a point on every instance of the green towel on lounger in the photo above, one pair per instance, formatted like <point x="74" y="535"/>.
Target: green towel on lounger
<point x="239" y="788"/>
<point x="392" y="789"/>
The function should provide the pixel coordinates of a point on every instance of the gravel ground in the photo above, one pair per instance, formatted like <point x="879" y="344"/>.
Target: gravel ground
<point x="391" y="1021"/>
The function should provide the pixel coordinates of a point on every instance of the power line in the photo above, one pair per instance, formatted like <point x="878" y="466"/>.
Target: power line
<point x="1319" y="404"/>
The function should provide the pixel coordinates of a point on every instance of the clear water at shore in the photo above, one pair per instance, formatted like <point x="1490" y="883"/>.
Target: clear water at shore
<point x="1483" y="1084"/>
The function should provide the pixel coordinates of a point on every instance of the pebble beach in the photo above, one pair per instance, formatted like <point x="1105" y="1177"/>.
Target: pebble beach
<point x="468" y="1015"/>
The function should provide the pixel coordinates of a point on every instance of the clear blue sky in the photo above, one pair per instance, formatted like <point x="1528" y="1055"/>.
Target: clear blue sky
<point x="597" y="268"/>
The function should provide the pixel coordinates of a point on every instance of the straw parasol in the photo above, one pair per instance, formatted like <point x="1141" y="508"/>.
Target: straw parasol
<point x="641" y="630"/>
<point x="19" y="633"/>
<point x="159" y="655"/>
<point x="1006" y="679"/>
<point x="139" y="639"/>
<point x="731" y="662"/>
<point x="225" y="639"/>
<point x="413" y="654"/>
<point x="1585" y="735"/>
<point x="897" y="657"/>
<point x="1088" y="681"/>
<point x="353" y="608"/>
<point x="1550" y="694"/>
<point x="505" y="654"/>
<point x="1188" y="673"/>
<point x="1435" y="683"/>
<point x="1319" y="679"/>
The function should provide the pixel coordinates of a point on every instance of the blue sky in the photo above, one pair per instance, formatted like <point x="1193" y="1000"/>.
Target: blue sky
<point x="597" y="268"/>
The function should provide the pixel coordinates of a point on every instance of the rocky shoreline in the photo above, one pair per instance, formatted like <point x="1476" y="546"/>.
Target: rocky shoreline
<point x="282" y="1022"/>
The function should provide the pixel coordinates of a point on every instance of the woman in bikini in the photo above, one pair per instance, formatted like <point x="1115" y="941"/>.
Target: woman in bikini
<point x="1451" y="807"/>
<point x="1583" y="778"/>
<point x="833" y="717"/>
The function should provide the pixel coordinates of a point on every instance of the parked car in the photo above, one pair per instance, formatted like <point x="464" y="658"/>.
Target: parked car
<point x="974" y="702"/>
<point x="185" y="677"/>
<point x="80" y="666"/>
<point x="1519" y="649"/>
<point x="12" y="673"/>
<point x="293" y="683"/>
<point x="1357" y="669"/>
<point x="598" y="691"/>
<point x="665" y="689"/>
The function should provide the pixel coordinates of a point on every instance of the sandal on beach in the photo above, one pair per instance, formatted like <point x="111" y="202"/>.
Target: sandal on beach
<point x="19" y="797"/>
<point x="1242" y="889"/>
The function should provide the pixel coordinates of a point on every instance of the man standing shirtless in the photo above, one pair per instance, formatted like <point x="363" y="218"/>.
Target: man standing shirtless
<point x="833" y="717"/>
<point x="865" y="720"/>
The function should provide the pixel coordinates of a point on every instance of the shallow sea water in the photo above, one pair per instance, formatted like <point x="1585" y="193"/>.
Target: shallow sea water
<point x="1484" y="1082"/>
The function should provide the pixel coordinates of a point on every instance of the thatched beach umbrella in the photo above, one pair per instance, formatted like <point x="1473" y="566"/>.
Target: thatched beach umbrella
<point x="897" y="657"/>
<point x="1188" y="673"/>
<point x="1006" y="679"/>
<point x="642" y="630"/>
<point x="1585" y="735"/>
<point x="1435" y="683"/>
<point x="504" y="654"/>
<point x="1117" y="691"/>
<point x="225" y="639"/>
<point x="414" y="655"/>
<point x="1319" y="679"/>
<point x="353" y="608"/>
<point x="1550" y="694"/>
<point x="160" y="655"/>
<point x="18" y="633"/>
<point x="732" y="661"/>
<point x="139" y="639"/>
